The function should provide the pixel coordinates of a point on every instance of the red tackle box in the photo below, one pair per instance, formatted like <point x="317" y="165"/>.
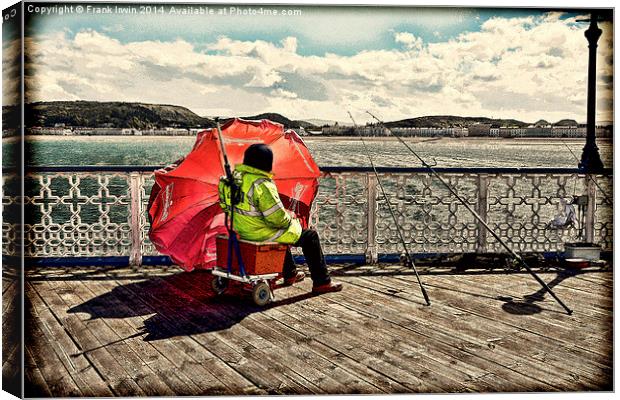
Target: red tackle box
<point x="259" y="258"/>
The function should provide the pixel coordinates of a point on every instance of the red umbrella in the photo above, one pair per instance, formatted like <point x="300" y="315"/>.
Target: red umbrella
<point x="184" y="206"/>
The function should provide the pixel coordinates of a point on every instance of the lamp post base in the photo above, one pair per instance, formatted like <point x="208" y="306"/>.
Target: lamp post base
<point x="591" y="159"/>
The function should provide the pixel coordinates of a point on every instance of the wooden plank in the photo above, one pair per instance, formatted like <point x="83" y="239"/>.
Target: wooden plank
<point x="562" y="357"/>
<point x="592" y="298"/>
<point x="57" y="378"/>
<point x="130" y="363"/>
<point x="229" y="349"/>
<point x="10" y="291"/>
<point x="7" y="284"/>
<point x="257" y="348"/>
<point x="554" y="325"/>
<point x="358" y="340"/>
<point x="476" y="369"/>
<point x="79" y="368"/>
<point x="384" y="382"/>
<point x="292" y="344"/>
<point x="430" y="352"/>
<point x="589" y="295"/>
<point x="118" y="379"/>
<point x="409" y="352"/>
<point x="603" y="278"/>
<point x="584" y="318"/>
<point x="11" y="378"/>
<point x="159" y="377"/>
<point x="34" y="383"/>
<point x="439" y="322"/>
<point x="602" y="281"/>
<point x="534" y="347"/>
<point x="497" y="289"/>
<point x="186" y="345"/>
<point x="178" y="366"/>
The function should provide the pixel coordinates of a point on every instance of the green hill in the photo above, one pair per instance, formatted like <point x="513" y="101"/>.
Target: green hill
<point x="445" y="121"/>
<point x="112" y="114"/>
<point x="289" y="124"/>
<point x="566" y="122"/>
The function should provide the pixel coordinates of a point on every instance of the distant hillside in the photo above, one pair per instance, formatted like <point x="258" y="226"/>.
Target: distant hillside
<point x="444" y="121"/>
<point x="566" y="122"/>
<point x="112" y="114"/>
<point x="289" y="124"/>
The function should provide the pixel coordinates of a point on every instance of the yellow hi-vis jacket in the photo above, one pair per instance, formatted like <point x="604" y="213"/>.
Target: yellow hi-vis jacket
<point x="260" y="215"/>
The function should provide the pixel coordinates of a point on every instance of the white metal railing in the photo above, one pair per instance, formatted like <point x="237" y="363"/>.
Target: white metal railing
<point x="93" y="211"/>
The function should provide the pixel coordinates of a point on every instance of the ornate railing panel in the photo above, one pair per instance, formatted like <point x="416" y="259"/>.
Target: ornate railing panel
<point x="77" y="214"/>
<point x="102" y="211"/>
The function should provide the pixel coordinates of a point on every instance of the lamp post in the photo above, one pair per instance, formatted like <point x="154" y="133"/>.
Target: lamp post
<point x="590" y="158"/>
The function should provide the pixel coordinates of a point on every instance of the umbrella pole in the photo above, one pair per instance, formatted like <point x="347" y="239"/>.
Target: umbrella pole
<point x="233" y="241"/>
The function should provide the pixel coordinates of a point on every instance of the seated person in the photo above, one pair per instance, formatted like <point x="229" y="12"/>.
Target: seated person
<point x="260" y="216"/>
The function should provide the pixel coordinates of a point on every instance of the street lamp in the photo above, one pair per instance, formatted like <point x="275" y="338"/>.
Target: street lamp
<point x="590" y="158"/>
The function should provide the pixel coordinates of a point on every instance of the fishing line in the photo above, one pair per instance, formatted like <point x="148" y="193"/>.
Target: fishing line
<point x="605" y="197"/>
<point x="478" y="217"/>
<point x="387" y="201"/>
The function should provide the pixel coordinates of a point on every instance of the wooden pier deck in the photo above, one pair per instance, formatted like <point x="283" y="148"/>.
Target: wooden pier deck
<point x="118" y="332"/>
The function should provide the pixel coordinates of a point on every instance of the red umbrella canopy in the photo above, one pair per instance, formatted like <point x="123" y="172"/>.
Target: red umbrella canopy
<point x="184" y="205"/>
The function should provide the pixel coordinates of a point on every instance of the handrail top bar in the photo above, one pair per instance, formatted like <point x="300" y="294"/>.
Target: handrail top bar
<point x="325" y="169"/>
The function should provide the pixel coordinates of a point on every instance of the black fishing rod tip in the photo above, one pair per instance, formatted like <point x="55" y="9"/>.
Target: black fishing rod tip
<point x="569" y="311"/>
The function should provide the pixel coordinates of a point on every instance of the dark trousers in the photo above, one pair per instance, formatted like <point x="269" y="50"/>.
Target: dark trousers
<point x="311" y="247"/>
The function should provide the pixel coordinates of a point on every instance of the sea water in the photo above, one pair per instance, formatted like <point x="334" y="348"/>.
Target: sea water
<point x="328" y="151"/>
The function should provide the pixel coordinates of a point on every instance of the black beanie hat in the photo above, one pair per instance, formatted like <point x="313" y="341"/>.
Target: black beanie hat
<point x="259" y="156"/>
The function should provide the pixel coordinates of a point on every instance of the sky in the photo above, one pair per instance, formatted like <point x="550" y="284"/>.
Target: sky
<point x="320" y="62"/>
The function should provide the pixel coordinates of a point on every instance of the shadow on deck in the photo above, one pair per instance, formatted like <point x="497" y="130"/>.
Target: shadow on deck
<point x="119" y="332"/>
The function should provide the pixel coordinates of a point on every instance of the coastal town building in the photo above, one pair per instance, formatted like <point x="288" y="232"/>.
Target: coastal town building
<point x="475" y="130"/>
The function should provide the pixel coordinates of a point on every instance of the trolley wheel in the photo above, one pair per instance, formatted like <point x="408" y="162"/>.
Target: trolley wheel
<point x="261" y="294"/>
<point x="219" y="285"/>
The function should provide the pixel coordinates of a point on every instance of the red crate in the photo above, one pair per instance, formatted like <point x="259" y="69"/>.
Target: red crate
<point x="258" y="258"/>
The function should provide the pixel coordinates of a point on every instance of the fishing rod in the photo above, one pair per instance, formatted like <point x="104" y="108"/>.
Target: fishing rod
<point x="387" y="201"/>
<point x="235" y="198"/>
<point x="478" y="217"/>
<point x="592" y="178"/>
<point x="223" y="149"/>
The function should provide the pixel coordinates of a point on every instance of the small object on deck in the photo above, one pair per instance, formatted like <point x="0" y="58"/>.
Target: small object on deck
<point x="577" y="263"/>
<point x="566" y="218"/>
<point x="258" y="258"/>
<point x="589" y="251"/>
<point x="262" y="267"/>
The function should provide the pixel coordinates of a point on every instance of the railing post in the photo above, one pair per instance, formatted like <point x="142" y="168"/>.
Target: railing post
<point x="591" y="208"/>
<point x="483" y="201"/>
<point x="371" y="241"/>
<point x="135" y="257"/>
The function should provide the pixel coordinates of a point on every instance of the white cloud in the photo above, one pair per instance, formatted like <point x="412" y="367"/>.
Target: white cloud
<point x="525" y="68"/>
<point x="409" y="40"/>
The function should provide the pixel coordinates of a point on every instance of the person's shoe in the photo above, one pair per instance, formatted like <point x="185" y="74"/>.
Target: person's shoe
<point x="294" y="279"/>
<point x="327" y="288"/>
